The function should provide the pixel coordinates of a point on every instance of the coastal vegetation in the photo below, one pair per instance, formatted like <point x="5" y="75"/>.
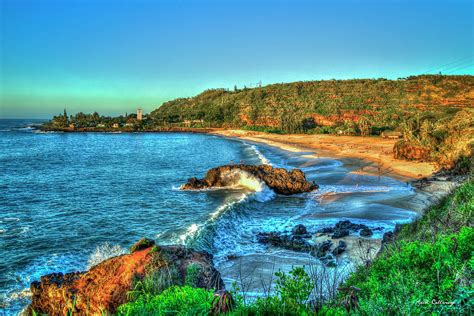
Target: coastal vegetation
<point x="432" y="114"/>
<point x="426" y="269"/>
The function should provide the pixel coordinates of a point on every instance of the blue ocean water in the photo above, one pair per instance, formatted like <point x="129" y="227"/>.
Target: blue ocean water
<point x="69" y="200"/>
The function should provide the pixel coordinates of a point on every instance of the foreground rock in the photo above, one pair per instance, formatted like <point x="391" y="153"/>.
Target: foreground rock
<point x="278" y="179"/>
<point x="299" y="240"/>
<point x="105" y="286"/>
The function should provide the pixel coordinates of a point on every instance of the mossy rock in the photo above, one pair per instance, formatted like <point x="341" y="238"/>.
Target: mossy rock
<point x="143" y="243"/>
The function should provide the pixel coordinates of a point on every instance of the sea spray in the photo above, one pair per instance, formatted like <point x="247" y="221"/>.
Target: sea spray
<point x="190" y="232"/>
<point x="103" y="252"/>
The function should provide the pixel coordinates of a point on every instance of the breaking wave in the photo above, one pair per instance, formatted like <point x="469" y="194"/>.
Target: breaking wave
<point x="103" y="252"/>
<point x="260" y="156"/>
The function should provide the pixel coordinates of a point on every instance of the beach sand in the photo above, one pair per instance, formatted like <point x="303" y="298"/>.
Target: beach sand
<point x="376" y="151"/>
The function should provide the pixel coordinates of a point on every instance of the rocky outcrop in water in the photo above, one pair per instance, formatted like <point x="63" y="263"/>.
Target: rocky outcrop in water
<point x="299" y="240"/>
<point x="105" y="286"/>
<point x="317" y="243"/>
<point x="278" y="179"/>
<point x="345" y="228"/>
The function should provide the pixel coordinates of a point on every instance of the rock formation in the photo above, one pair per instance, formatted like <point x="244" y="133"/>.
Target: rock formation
<point x="105" y="286"/>
<point x="278" y="179"/>
<point x="345" y="228"/>
<point x="405" y="150"/>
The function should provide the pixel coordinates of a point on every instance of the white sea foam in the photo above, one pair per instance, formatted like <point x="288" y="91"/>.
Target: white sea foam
<point x="103" y="252"/>
<point x="260" y="156"/>
<point x="190" y="232"/>
<point x="11" y="219"/>
<point x="225" y="206"/>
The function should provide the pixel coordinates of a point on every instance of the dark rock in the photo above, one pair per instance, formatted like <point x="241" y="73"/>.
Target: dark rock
<point x="366" y="232"/>
<point x="278" y="179"/>
<point x="299" y="230"/>
<point x="326" y="230"/>
<point x="398" y="228"/>
<point x="388" y="237"/>
<point x="325" y="246"/>
<point x="320" y="250"/>
<point x="197" y="183"/>
<point x="349" y="226"/>
<point x="295" y="243"/>
<point x="339" y="233"/>
<point x="143" y="243"/>
<point x="341" y="247"/>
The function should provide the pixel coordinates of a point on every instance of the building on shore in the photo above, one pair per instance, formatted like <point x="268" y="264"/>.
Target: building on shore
<point x="139" y="114"/>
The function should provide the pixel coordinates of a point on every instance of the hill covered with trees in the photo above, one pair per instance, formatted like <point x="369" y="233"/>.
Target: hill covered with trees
<point x="359" y="106"/>
<point x="433" y="113"/>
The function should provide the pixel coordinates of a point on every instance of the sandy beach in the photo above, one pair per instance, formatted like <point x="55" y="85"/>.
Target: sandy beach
<point x="376" y="151"/>
<point x="377" y="154"/>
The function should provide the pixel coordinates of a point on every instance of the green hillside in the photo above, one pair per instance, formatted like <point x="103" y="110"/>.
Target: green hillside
<point x="433" y="113"/>
<point x="342" y="105"/>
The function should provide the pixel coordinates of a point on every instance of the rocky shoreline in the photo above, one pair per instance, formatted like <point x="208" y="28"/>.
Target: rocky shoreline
<point x="105" y="286"/>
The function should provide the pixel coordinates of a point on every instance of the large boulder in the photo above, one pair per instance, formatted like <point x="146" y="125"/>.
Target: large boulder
<point x="105" y="286"/>
<point x="404" y="150"/>
<point x="278" y="179"/>
<point x="299" y="230"/>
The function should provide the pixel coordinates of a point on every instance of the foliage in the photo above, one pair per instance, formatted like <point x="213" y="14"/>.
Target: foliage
<point x="174" y="300"/>
<point x="192" y="274"/>
<point x="411" y="275"/>
<point x="154" y="283"/>
<point x="291" y="296"/>
<point x="448" y="216"/>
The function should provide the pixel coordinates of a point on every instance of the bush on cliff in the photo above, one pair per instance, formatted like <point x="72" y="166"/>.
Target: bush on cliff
<point x="410" y="276"/>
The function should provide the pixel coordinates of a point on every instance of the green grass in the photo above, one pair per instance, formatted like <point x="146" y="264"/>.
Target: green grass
<point x="432" y="261"/>
<point x="174" y="300"/>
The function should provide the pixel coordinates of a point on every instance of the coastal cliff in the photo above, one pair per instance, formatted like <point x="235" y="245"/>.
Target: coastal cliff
<point x="107" y="285"/>
<point x="278" y="179"/>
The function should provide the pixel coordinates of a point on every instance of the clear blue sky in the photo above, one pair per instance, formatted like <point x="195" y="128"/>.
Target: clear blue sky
<point x="114" y="56"/>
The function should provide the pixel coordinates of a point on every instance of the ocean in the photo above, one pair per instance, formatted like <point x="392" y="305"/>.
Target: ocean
<point x="70" y="200"/>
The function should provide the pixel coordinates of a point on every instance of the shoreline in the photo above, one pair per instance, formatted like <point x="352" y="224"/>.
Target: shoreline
<point x="429" y="187"/>
<point x="375" y="152"/>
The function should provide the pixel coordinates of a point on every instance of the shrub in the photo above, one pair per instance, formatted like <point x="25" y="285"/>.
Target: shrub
<point x="192" y="274"/>
<point x="411" y="275"/>
<point x="292" y="292"/>
<point x="175" y="300"/>
<point x="154" y="283"/>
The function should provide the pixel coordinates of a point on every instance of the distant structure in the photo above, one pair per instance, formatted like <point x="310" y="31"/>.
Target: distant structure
<point x="139" y="114"/>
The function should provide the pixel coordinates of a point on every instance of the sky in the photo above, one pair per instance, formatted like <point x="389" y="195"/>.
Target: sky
<point x="115" y="56"/>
